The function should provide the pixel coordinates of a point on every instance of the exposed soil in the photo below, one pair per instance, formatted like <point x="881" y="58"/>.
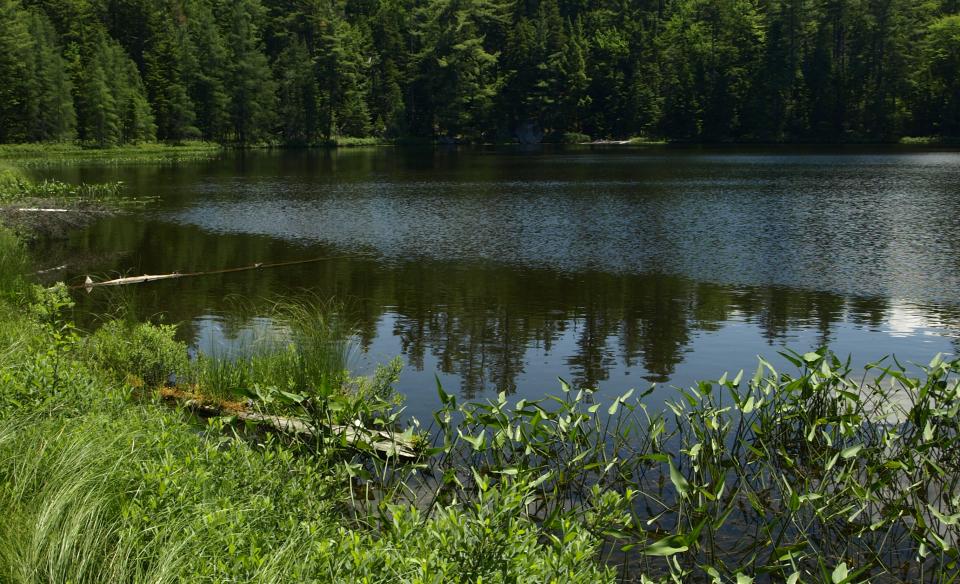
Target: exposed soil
<point x="39" y="219"/>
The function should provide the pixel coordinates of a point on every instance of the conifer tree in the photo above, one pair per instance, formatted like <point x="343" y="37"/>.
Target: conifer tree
<point x="387" y="105"/>
<point x="52" y="117"/>
<point x="249" y="82"/>
<point x="573" y="82"/>
<point x="15" y="74"/>
<point x="342" y="72"/>
<point x="460" y="72"/>
<point x="299" y="94"/>
<point x="165" y="78"/>
<point x="98" y="120"/>
<point x="204" y="69"/>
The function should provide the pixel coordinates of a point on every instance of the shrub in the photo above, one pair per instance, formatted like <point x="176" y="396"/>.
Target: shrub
<point x="574" y="138"/>
<point x="147" y="351"/>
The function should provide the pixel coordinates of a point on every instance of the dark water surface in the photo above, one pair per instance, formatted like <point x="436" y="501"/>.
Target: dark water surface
<point x="503" y="269"/>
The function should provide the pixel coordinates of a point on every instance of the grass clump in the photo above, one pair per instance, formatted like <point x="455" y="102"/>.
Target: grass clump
<point x="15" y="186"/>
<point x="14" y="263"/>
<point x="304" y="354"/>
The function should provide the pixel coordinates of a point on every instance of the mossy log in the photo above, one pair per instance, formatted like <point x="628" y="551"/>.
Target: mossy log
<point x="385" y="443"/>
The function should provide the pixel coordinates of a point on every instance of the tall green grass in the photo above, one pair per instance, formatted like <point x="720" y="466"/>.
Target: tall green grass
<point x="135" y="495"/>
<point x="305" y="352"/>
<point x="14" y="264"/>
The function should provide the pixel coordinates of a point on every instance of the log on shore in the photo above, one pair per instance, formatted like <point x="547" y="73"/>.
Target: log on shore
<point x="383" y="442"/>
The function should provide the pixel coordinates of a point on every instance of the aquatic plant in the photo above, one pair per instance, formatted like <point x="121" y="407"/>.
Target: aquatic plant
<point x="813" y="476"/>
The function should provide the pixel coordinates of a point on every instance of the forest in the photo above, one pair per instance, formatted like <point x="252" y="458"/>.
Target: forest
<point x="305" y="72"/>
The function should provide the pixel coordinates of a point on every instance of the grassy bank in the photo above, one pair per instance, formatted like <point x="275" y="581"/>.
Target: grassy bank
<point x="46" y="154"/>
<point x="817" y="474"/>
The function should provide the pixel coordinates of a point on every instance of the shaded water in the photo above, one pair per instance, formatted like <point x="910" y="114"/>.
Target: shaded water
<point x="503" y="269"/>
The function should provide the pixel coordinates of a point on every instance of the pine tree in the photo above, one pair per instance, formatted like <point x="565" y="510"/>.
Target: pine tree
<point x="460" y="73"/>
<point x="249" y="82"/>
<point x="299" y="95"/>
<point x="165" y="79"/>
<point x="343" y="79"/>
<point x="53" y="118"/>
<point x="938" y="100"/>
<point x="15" y="74"/>
<point x="98" y="121"/>
<point x="387" y="107"/>
<point x="204" y="69"/>
<point x="573" y="83"/>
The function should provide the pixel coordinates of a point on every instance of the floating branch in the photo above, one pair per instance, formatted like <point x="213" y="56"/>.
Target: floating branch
<point x="54" y="269"/>
<point x="90" y="283"/>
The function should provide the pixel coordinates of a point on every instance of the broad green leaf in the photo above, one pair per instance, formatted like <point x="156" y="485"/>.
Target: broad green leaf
<point x="667" y="546"/>
<point x="679" y="481"/>
<point x="851" y="451"/>
<point x="840" y="573"/>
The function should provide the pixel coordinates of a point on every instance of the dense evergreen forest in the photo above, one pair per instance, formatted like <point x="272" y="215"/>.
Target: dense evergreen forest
<point x="108" y="72"/>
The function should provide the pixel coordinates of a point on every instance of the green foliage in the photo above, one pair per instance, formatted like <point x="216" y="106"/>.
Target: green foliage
<point x="14" y="264"/>
<point x="305" y="73"/>
<point x="149" y="352"/>
<point x="35" y="90"/>
<point x="38" y="370"/>
<point x="574" y="138"/>
<point x="138" y="496"/>
<point x="248" y="77"/>
<point x="46" y="154"/>
<point x="15" y="186"/>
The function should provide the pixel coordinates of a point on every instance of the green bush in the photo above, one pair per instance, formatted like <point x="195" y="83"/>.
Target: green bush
<point x="144" y="350"/>
<point x="574" y="138"/>
<point x="11" y="180"/>
<point x="39" y="371"/>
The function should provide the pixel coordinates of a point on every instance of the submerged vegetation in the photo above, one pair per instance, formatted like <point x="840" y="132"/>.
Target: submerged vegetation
<point x="814" y="475"/>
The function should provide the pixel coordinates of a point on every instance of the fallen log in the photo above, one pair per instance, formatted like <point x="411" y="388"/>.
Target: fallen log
<point x="89" y="283"/>
<point x="386" y="443"/>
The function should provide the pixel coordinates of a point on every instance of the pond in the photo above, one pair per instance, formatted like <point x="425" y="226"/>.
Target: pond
<point x="502" y="269"/>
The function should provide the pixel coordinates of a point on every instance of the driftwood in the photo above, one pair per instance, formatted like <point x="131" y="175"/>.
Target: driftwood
<point x="90" y="283"/>
<point x="385" y="443"/>
<point x="39" y="210"/>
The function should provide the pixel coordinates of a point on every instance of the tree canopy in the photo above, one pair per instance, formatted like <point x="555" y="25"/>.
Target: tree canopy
<point x="299" y="72"/>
